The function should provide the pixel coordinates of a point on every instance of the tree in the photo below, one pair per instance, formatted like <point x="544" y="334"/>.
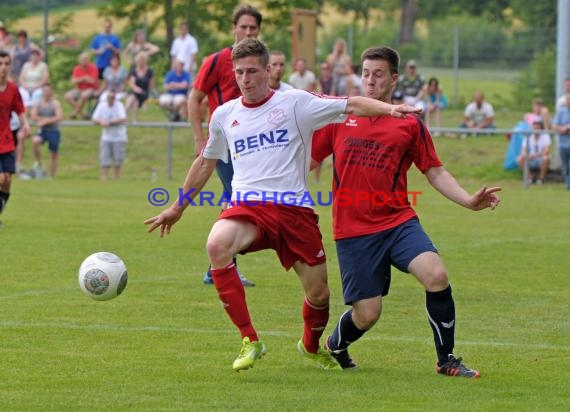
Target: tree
<point x="361" y="9"/>
<point x="408" y="21"/>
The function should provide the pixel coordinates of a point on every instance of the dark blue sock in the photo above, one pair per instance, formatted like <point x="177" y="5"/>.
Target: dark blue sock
<point x="4" y="196"/>
<point x="441" y="315"/>
<point x="344" y="333"/>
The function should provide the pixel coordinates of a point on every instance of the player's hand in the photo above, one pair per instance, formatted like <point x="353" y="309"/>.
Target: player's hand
<point x="165" y="220"/>
<point x="400" y="110"/>
<point x="485" y="198"/>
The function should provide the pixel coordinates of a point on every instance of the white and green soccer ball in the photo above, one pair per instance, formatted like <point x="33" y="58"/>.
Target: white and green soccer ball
<point x="103" y="276"/>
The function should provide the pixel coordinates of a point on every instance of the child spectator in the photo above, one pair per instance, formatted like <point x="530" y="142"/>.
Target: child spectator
<point x="436" y="102"/>
<point x="111" y="116"/>
<point x="539" y="112"/>
<point x="536" y="152"/>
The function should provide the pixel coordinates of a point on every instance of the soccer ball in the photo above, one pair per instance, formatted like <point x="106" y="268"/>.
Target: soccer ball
<point x="103" y="276"/>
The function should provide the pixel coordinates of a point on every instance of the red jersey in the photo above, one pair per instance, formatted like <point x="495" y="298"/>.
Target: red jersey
<point x="92" y="71"/>
<point x="10" y="101"/>
<point x="371" y="158"/>
<point x="216" y="78"/>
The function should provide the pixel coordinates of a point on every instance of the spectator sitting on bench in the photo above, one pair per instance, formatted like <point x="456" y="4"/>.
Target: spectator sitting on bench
<point x="537" y="154"/>
<point x="85" y="78"/>
<point x="177" y="83"/>
<point x="478" y="114"/>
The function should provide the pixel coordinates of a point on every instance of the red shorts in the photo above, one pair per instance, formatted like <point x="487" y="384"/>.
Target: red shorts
<point x="292" y="231"/>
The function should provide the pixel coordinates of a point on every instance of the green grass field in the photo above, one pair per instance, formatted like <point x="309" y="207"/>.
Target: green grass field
<point x="166" y="343"/>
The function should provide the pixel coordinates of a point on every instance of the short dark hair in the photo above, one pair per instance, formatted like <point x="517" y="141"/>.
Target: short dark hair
<point x="246" y="10"/>
<point x="22" y="33"/>
<point x="4" y="54"/>
<point x="251" y="47"/>
<point x="434" y="81"/>
<point x="382" y="53"/>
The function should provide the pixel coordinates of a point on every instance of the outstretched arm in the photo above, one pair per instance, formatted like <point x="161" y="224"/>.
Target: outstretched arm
<point x="365" y="106"/>
<point x="197" y="176"/>
<point x="194" y="101"/>
<point x="446" y="184"/>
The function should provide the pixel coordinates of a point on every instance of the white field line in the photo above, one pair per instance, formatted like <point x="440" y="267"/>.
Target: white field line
<point x="6" y="324"/>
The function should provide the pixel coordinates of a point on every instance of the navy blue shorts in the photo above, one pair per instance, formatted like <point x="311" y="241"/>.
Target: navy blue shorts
<point x="8" y="162"/>
<point x="52" y="137"/>
<point x="365" y="261"/>
<point x="226" y="174"/>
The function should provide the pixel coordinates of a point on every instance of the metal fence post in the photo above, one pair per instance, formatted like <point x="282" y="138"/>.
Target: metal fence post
<point x="456" y="65"/>
<point x="169" y="153"/>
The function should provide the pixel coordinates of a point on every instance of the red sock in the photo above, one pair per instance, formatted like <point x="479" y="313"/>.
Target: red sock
<point x="315" y="320"/>
<point x="232" y="294"/>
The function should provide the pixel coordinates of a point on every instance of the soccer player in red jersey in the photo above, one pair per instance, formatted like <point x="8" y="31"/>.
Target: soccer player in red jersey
<point x="267" y="136"/>
<point x="10" y="101"/>
<point x="216" y="81"/>
<point x="372" y="156"/>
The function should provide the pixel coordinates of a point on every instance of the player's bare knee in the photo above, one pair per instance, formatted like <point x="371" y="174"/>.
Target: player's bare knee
<point x="318" y="294"/>
<point x="438" y="280"/>
<point x="37" y="140"/>
<point x="5" y="179"/>
<point x="366" y="316"/>
<point x="218" y="251"/>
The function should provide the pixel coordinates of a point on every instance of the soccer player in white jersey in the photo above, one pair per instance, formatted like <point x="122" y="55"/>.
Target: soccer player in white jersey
<point x="269" y="136"/>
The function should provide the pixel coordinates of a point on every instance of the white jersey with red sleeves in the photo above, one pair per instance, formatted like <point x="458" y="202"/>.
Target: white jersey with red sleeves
<point x="270" y="142"/>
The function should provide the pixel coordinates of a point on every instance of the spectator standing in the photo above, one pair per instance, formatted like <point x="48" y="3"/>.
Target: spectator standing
<point x="561" y="123"/>
<point x="104" y="45"/>
<point x="33" y="77"/>
<point x="141" y="82"/>
<point x="47" y="115"/>
<point x="276" y="71"/>
<point x="302" y="78"/>
<point x="21" y="54"/>
<point x="353" y="82"/>
<point x="7" y="44"/>
<point x="561" y="102"/>
<point x="114" y="77"/>
<point x="185" y="49"/>
<point x="325" y="79"/>
<point x="111" y="116"/>
<point x="176" y="83"/>
<point x="411" y="84"/>
<point x="85" y="78"/>
<point x="436" y="102"/>
<point x="478" y="114"/>
<point x="340" y="61"/>
<point x="535" y="152"/>
<point x="139" y="45"/>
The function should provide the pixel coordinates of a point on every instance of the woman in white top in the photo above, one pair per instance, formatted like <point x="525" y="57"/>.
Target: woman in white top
<point x="33" y="77"/>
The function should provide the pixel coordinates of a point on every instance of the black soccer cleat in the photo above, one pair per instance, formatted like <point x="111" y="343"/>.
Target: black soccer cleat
<point x="341" y="356"/>
<point x="455" y="367"/>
